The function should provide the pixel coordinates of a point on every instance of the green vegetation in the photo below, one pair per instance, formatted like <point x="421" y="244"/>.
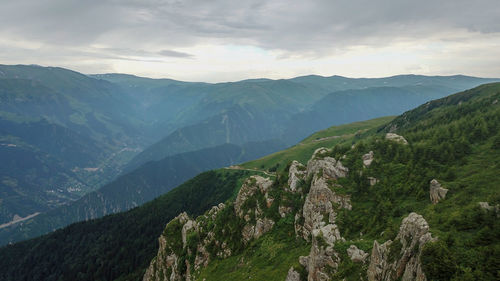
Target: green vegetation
<point x="267" y="258"/>
<point x="116" y="247"/>
<point x="326" y="138"/>
<point x="452" y="142"/>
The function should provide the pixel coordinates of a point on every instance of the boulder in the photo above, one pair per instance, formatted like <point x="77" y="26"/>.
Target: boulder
<point x="292" y="275"/>
<point x="396" y="138"/>
<point x="485" y="206"/>
<point x="437" y="193"/>
<point x="329" y="166"/>
<point x="368" y="159"/>
<point x="356" y="254"/>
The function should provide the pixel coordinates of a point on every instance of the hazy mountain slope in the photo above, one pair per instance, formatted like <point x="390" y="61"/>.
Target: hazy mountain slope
<point x="158" y="101"/>
<point x="235" y="125"/>
<point x="424" y="207"/>
<point x="294" y="108"/>
<point x="138" y="229"/>
<point x="83" y="104"/>
<point x="62" y="134"/>
<point x="38" y="166"/>
<point x="354" y="105"/>
<point x="137" y="187"/>
<point x="32" y="182"/>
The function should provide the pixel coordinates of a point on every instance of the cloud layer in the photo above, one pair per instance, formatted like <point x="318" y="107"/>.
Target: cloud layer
<point x="177" y="37"/>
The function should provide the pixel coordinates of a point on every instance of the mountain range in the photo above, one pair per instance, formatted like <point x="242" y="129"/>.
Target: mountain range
<point x="65" y="134"/>
<point x="413" y="197"/>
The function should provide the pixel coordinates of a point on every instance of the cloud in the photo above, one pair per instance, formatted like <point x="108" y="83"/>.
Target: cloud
<point x="283" y="24"/>
<point x="175" y="54"/>
<point x="171" y="30"/>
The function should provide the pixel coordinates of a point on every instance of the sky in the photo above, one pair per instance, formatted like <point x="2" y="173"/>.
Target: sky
<point x="227" y="40"/>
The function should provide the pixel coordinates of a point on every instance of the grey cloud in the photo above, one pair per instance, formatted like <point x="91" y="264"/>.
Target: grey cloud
<point x="293" y="26"/>
<point x="175" y="54"/>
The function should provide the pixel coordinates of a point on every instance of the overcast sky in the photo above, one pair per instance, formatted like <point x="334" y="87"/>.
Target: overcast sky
<point x="228" y="40"/>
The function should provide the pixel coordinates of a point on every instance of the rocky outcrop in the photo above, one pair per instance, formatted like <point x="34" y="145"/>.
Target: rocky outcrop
<point x="261" y="224"/>
<point x="248" y="189"/>
<point x="296" y="173"/>
<point x="188" y="245"/>
<point x="319" y="214"/>
<point x="367" y="159"/>
<point x="292" y="275"/>
<point x="188" y="226"/>
<point x="401" y="258"/>
<point x="328" y="166"/>
<point x="318" y="208"/>
<point x="165" y="265"/>
<point x="356" y="255"/>
<point x="437" y="193"/>
<point x="486" y="206"/>
<point x="396" y="138"/>
<point x="322" y="260"/>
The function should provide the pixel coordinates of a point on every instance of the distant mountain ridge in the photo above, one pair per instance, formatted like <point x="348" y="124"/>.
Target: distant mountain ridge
<point x="88" y="129"/>
<point x="294" y="114"/>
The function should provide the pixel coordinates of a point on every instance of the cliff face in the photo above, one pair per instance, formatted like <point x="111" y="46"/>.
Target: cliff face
<point x="312" y="196"/>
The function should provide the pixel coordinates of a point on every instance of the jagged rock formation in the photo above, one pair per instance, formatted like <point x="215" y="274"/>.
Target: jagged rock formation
<point x="184" y="237"/>
<point x="368" y="159"/>
<point x="318" y="214"/>
<point x="396" y="138"/>
<point x="328" y="166"/>
<point x="401" y="258"/>
<point x="261" y="225"/>
<point x="165" y="265"/>
<point x="437" y="193"/>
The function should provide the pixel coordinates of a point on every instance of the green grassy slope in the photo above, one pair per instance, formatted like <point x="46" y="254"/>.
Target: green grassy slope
<point x="325" y="138"/>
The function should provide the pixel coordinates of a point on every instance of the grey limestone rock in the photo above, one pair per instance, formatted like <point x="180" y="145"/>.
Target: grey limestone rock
<point x="412" y="236"/>
<point x="356" y="254"/>
<point x="437" y="193"/>
<point x="292" y="275"/>
<point x="396" y="138"/>
<point x="296" y="173"/>
<point x="368" y="159"/>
